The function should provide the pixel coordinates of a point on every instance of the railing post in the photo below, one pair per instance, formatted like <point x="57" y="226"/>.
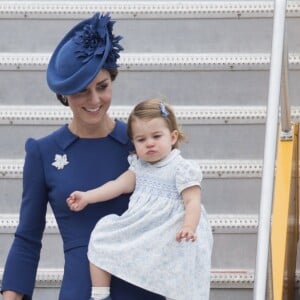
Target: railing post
<point x="286" y="126"/>
<point x="263" y="241"/>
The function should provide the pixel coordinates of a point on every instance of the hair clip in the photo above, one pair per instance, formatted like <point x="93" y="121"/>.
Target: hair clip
<point x="163" y="110"/>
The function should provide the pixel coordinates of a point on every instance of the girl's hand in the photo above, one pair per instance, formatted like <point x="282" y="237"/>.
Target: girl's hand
<point x="77" y="201"/>
<point x="186" y="233"/>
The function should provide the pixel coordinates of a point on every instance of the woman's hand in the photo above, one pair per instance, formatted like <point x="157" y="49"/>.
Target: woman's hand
<point x="77" y="201"/>
<point x="11" y="295"/>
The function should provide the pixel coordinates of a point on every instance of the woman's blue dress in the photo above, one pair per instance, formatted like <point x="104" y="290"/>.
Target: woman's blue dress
<point x="55" y="166"/>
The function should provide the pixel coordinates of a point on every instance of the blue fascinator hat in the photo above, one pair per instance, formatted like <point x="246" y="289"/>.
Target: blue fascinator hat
<point x="86" y="49"/>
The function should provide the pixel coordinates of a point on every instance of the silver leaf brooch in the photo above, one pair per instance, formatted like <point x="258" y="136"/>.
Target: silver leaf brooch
<point x="60" y="161"/>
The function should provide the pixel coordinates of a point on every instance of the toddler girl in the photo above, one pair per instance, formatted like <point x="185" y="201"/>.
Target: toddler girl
<point x="163" y="242"/>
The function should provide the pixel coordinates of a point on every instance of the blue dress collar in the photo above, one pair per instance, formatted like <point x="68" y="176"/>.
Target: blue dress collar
<point x="64" y="137"/>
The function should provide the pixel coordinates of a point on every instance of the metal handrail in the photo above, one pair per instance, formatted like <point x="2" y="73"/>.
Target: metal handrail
<point x="263" y="241"/>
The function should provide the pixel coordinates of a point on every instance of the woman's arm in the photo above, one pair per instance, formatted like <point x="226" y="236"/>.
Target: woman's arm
<point x="192" y="202"/>
<point x="24" y="253"/>
<point x="124" y="184"/>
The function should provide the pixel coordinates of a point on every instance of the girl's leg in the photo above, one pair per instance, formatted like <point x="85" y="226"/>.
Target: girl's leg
<point x="99" y="276"/>
<point x="100" y="283"/>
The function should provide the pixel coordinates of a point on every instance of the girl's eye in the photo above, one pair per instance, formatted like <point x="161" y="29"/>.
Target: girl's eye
<point x="140" y="140"/>
<point x="157" y="136"/>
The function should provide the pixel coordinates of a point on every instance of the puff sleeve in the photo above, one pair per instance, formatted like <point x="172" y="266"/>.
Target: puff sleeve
<point x="188" y="174"/>
<point x="133" y="162"/>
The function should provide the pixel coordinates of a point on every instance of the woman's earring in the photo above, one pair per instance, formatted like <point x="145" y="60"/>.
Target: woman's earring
<point x="63" y="99"/>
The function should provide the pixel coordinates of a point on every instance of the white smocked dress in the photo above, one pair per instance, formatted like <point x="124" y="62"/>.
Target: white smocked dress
<point x="140" y="245"/>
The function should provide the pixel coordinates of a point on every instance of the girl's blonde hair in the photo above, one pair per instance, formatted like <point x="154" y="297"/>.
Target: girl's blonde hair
<point x="151" y="109"/>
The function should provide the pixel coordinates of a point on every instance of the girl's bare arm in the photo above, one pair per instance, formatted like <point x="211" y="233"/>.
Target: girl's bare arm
<point x="192" y="202"/>
<point x="124" y="184"/>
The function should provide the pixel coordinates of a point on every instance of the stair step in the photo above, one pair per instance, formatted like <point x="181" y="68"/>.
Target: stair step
<point x="159" y="61"/>
<point x="225" y="284"/>
<point x="242" y="142"/>
<point x="220" y="223"/>
<point x="227" y="278"/>
<point x="252" y="119"/>
<point x="58" y="115"/>
<point x="228" y="230"/>
<point x="222" y="180"/>
<point x="186" y="114"/>
<point x="144" y="9"/>
<point x="214" y="21"/>
<point x="181" y="78"/>
<point x="13" y="168"/>
<point x="232" y="284"/>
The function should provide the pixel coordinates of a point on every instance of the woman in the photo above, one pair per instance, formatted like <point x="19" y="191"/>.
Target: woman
<point x="91" y="150"/>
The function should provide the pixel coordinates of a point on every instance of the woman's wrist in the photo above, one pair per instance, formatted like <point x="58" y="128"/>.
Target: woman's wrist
<point x="12" y="295"/>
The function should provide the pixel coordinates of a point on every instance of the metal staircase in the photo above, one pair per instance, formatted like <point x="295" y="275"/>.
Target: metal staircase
<point x="209" y="59"/>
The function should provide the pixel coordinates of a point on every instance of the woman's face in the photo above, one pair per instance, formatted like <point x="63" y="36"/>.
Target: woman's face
<point x="91" y="104"/>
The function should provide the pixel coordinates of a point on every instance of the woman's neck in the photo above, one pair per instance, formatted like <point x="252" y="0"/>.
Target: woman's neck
<point x="97" y="130"/>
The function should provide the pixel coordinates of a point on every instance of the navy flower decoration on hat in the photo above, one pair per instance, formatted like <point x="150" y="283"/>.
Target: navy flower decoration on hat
<point x="91" y="40"/>
<point x="83" y="52"/>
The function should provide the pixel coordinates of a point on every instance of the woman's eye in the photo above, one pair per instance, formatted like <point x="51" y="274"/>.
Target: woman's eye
<point x="102" y="87"/>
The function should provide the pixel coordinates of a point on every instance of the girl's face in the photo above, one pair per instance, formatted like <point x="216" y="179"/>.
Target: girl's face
<point x="90" y="106"/>
<point x="152" y="139"/>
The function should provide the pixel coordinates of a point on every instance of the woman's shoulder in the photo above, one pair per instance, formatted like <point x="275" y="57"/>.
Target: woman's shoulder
<point x="61" y="135"/>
